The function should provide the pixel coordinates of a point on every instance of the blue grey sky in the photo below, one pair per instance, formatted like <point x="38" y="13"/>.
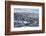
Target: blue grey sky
<point x="26" y="10"/>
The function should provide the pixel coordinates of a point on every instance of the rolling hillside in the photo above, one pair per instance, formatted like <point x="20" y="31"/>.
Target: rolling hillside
<point x="28" y="19"/>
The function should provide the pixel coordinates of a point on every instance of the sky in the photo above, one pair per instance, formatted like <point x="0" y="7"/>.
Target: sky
<point x="26" y="10"/>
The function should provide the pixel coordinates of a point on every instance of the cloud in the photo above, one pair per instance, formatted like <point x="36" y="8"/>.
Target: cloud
<point x="26" y="10"/>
